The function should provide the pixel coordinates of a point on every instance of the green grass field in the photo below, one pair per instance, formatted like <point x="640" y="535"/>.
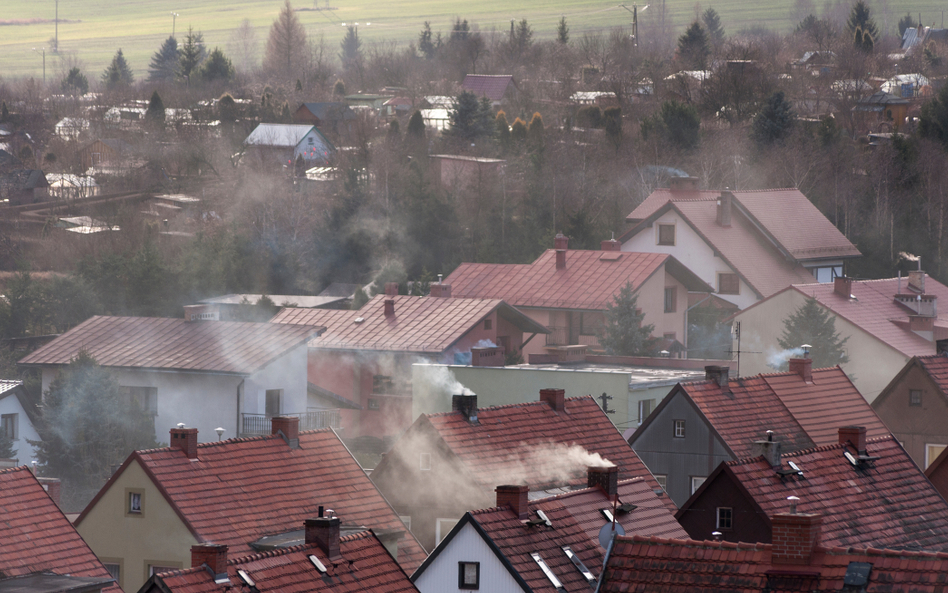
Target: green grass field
<point x="94" y="29"/>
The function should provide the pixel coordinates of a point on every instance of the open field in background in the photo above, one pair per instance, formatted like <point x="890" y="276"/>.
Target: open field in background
<point x="94" y="29"/>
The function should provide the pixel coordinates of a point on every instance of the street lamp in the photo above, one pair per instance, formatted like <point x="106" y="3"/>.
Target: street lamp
<point x="42" y="49"/>
<point x="174" y="17"/>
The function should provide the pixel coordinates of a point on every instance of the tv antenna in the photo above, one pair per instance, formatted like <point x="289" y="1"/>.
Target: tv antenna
<point x="738" y="352"/>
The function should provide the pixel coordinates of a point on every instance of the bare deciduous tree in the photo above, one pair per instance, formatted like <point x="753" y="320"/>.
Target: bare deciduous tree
<point x="286" y="47"/>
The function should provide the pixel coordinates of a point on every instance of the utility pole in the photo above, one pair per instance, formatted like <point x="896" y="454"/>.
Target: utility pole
<point x="44" y="63"/>
<point x="605" y="403"/>
<point x="174" y="18"/>
<point x="635" y="21"/>
<point x="56" y="42"/>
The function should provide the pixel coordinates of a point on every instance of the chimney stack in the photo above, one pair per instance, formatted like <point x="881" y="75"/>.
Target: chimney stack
<point x="185" y="439"/>
<point x="440" y="291"/>
<point x="53" y="487"/>
<point x="611" y="245"/>
<point x="916" y="280"/>
<point x="555" y="397"/>
<point x="606" y="478"/>
<point x="724" y="208"/>
<point x="288" y="427"/>
<point x="769" y="450"/>
<point x="389" y="307"/>
<point x="560" y="244"/>
<point x="843" y="286"/>
<point x="855" y="436"/>
<point x="391" y="289"/>
<point x="803" y="367"/>
<point x="467" y="405"/>
<point x="211" y="556"/>
<point x="515" y="497"/>
<point x="324" y="533"/>
<point x="718" y="374"/>
<point x="794" y="537"/>
<point x="683" y="184"/>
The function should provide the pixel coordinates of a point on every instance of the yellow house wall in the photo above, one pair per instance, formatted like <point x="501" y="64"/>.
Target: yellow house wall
<point x="157" y="536"/>
<point x="872" y="364"/>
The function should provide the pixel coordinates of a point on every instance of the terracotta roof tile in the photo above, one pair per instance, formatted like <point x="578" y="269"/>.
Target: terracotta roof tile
<point x="420" y="324"/>
<point x="35" y="536"/>
<point x="162" y="343"/>
<point x="588" y="281"/>
<point x="888" y="505"/>
<point x="240" y="490"/>
<point x="366" y="566"/>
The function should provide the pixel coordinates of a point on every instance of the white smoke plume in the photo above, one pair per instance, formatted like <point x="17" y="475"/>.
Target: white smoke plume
<point x="553" y="464"/>
<point x="485" y="344"/>
<point x="778" y="359"/>
<point x="908" y="256"/>
<point x="442" y="380"/>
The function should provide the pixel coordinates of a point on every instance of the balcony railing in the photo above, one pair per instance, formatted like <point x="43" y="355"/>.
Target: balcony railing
<point x="558" y="336"/>
<point x="259" y="424"/>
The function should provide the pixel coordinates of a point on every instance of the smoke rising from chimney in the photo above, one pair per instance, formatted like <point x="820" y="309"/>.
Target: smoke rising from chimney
<point x="547" y="464"/>
<point x="779" y="359"/>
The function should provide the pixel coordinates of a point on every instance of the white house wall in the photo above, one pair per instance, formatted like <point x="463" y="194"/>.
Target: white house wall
<point x="24" y="428"/>
<point x="287" y="373"/>
<point x="692" y="251"/>
<point x="441" y="576"/>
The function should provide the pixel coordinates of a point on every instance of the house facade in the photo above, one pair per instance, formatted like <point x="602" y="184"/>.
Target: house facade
<point x="15" y="422"/>
<point x="271" y="144"/>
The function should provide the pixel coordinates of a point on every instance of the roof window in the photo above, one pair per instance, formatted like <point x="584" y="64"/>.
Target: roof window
<point x="546" y="570"/>
<point x="317" y="563"/>
<point x="579" y="565"/>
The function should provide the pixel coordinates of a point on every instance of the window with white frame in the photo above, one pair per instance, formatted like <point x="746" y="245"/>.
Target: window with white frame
<point x="442" y="528"/>
<point x="932" y="451"/>
<point x="679" y="429"/>
<point x="8" y="426"/>
<point x="662" y="480"/>
<point x="645" y="408"/>
<point x="696" y="482"/>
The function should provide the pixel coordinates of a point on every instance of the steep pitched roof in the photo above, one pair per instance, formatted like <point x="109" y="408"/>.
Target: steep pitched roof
<point x="420" y="324"/>
<point x="366" y="566"/>
<point x="876" y="311"/>
<point x="590" y="280"/>
<point x="935" y="365"/>
<point x="533" y="444"/>
<point x="279" y="135"/>
<point x="242" y="489"/>
<point x="494" y="87"/>
<point x="330" y="111"/>
<point x="659" y="565"/>
<point x="888" y="503"/>
<point x="231" y="347"/>
<point x="35" y="536"/>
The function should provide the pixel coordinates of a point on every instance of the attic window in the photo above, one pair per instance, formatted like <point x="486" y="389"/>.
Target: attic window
<point x="725" y="518"/>
<point x="546" y="570"/>
<point x="915" y="397"/>
<point x="666" y="234"/>
<point x="579" y="565"/>
<point x="469" y="575"/>
<point x="857" y="574"/>
<point x="488" y="324"/>
<point x="245" y="577"/>
<point x="729" y="284"/>
<point x="679" y="429"/>
<point x="317" y="563"/>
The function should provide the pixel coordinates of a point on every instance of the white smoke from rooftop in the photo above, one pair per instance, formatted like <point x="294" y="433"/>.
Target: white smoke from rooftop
<point x="442" y="380"/>
<point x="485" y="344"/>
<point x="779" y="359"/>
<point x="547" y="464"/>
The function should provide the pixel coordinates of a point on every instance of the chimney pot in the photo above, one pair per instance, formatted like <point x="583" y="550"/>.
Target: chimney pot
<point x="855" y="436"/>
<point x="843" y="286"/>
<point x="606" y="478"/>
<point x="440" y="290"/>
<point x="611" y="245"/>
<point x="517" y="498"/>
<point x="794" y="537"/>
<point x="213" y="556"/>
<point x="560" y="241"/>
<point x="391" y="289"/>
<point x="467" y="405"/>
<point x="324" y="533"/>
<point x="288" y="427"/>
<point x="556" y="398"/>
<point x="185" y="439"/>
<point x="802" y="367"/>
<point x="724" y="208"/>
<point x="389" y="307"/>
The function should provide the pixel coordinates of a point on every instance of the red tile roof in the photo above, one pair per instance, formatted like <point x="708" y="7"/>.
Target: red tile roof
<point x="936" y="366"/>
<point x="802" y="415"/>
<point x="420" y="324"/>
<point x="785" y="214"/>
<point x="533" y="444"/>
<point x="494" y="87"/>
<point x="35" y="536"/>
<point x="876" y="311"/>
<point x="242" y="489"/>
<point x="686" y="566"/>
<point x="366" y="566"/>
<point x="173" y="344"/>
<point x="890" y="504"/>
<point x="590" y="280"/>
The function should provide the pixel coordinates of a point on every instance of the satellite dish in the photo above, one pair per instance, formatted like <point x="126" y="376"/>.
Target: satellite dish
<point x="605" y="534"/>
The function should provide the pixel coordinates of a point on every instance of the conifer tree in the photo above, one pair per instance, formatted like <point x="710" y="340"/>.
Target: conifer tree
<point x="155" y="114"/>
<point x="622" y="332"/>
<point x="416" y="127"/>
<point x="774" y="121"/>
<point x="562" y="31"/>
<point x="217" y="67"/>
<point x="192" y="54"/>
<point x="118" y="73"/>
<point x="859" y="18"/>
<point x="502" y="131"/>
<point x="164" y="64"/>
<point x="814" y="325"/>
<point x="75" y="82"/>
<point x="693" y="48"/>
<point x="286" y="46"/>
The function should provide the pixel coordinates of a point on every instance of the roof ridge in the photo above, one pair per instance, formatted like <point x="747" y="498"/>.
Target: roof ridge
<point x="10" y="470"/>
<point x="821" y="448"/>
<point x="233" y="440"/>
<point x="505" y="406"/>
<point x="585" y="490"/>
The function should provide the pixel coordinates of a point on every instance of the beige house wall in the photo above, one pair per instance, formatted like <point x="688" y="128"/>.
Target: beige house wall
<point x="156" y="536"/>
<point x="872" y="363"/>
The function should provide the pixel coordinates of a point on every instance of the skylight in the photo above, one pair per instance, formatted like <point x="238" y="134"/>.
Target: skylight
<point x="316" y="562"/>
<point x="579" y="564"/>
<point x="607" y="514"/>
<point x="546" y="570"/>
<point x="245" y="577"/>
<point x="543" y="516"/>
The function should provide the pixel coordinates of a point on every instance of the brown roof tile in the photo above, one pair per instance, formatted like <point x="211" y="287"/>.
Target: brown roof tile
<point x="366" y="566"/>
<point x="161" y="343"/>
<point x="240" y="490"/>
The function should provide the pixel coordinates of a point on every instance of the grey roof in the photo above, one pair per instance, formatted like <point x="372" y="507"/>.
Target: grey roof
<point x="48" y="582"/>
<point x="331" y="111"/>
<point x="284" y="135"/>
<point x="24" y="179"/>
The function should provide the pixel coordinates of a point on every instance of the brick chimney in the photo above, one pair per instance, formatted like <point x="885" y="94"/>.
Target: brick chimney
<point x="202" y="313"/>
<point x="515" y="497"/>
<point x="921" y="323"/>
<point x="855" y="436"/>
<point x="185" y="439"/>
<point x="794" y="537"/>
<point x="724" y="208"/>
<point x="53" y="487"/>
<point x="683" y="184"/>
<point x="916" y="280"/>
<point x="440" y="291"/>
<point x="611" y="245"/>
<point x="555" y="397"/>
<point x="389" y="305"/>
<point x="718" y="374"/>
<point x="803" y="367"/>
<point x="560" y="244"/>
<point x="467" y="405"/>
<point x="843" y="286"/>
<point x="769" y="450"/>
<point x="391" y="289"/>
<point x="606" y="478"/>
<point x="288" y="427"/>
<point x="211" y="556"/>
<point x="324" y="533"/>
